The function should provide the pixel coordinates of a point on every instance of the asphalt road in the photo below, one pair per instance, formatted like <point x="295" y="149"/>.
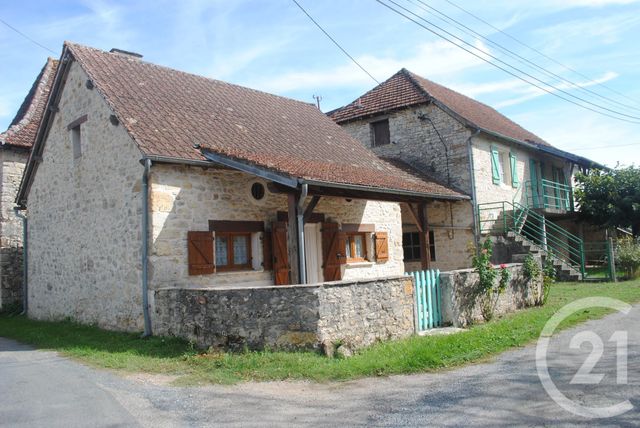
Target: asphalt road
<point x="41" y="389"/>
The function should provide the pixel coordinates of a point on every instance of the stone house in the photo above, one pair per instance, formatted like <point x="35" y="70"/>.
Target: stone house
<point x="519" y="184"/>
<point x="212" y="211"/>
<point x="15" y="145"/>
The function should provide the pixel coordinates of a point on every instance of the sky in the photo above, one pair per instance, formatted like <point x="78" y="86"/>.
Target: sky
<point x="272" y="46"/>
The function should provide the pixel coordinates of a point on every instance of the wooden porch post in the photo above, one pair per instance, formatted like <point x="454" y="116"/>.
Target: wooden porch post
<point x="292" y="238"/>
<point x="425" y="251"/>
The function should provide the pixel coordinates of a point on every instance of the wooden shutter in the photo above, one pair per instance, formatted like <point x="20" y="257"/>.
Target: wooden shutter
<point x="381" y="135"/>
<point x="495" y="165"/>
<point x="281" y="268"/>
<point x="200" y="252"/>
<point x="382" y="246"/>
<point x="334" y="245"/>
<point x="515" y="181"/>
<point x="267" y="255"/>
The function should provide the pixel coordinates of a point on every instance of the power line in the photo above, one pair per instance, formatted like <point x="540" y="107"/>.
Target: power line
<point x="27" y="37"/>
<point x="566" y="67"/>
<point x="609" y="147"/>
<point x="523" y="60"/>
<point x="551" y="92"/>
<point x="335" y="42"/>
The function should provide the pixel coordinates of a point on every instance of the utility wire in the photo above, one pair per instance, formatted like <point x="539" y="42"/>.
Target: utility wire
<point x="551" y="92"/>
<point x="521" y="43"/>
<point x="335" y="42"/>
<point x="27" y="37"/>
<point x="523" y="60"/>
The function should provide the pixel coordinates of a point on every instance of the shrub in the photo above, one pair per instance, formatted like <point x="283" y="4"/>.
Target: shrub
<point x="487" y="289"/>
<point x="530" y="267"/>
<point x="628" y="257"/>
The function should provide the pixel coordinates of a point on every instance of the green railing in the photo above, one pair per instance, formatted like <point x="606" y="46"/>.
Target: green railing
<point x="503" y="217"/>
<point x="548" y="194"/>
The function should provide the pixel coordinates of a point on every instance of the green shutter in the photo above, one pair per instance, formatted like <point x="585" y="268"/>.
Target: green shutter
<point x="495" y="169"/>
<point x="515" y="182"/>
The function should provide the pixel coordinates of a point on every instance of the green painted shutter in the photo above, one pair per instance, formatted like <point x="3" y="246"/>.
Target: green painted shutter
<point x="515" y="182"/>
<point x="495" y="171"/>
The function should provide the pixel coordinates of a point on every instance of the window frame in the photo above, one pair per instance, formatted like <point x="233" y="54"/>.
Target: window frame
<point x="231" y="266"/>
<point x="350" y="246"/>
<point x="432" y="246"/>
<point x="373" y="126"/>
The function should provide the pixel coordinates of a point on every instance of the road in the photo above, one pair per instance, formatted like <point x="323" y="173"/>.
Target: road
<point x="39" y="389"/>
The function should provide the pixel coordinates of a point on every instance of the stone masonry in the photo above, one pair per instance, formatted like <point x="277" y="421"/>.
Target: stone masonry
<point x="461" y="300"/>
<point x="185" y="198"/>
<point x="12" y="162"/>
<point x="84" y="218"/>
<point x="355" y="314"/>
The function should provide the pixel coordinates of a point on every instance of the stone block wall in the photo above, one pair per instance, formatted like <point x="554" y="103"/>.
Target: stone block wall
<point x="416" y="142"/>
<point x="452" y="225"/>
<point x="85" y="218"/>
<point x="290" y="317"/>
<point x="12" y="163"/>
<point x="460" y="296"/>
<point x="185" y="198"/>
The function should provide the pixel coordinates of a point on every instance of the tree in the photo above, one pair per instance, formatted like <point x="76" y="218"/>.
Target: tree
<point x="611" y="197"/>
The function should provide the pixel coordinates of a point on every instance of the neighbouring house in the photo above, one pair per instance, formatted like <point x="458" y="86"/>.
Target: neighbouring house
<point x="521" y="187"/>
<point x="163" y="200"/>
<point x="15" y="145"/>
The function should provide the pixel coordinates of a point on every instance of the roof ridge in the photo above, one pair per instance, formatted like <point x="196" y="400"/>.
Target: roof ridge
<point x="182" y="72"/>
<point x="35" y="98"/>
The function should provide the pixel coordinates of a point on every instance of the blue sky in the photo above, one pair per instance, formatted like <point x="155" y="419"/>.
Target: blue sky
<point x="270" y="45"/>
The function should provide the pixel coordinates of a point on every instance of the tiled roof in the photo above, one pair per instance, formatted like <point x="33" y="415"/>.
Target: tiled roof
<point x="406" y="88"/>
<point x="170" y="113"/>
<point x="22" y="130"/>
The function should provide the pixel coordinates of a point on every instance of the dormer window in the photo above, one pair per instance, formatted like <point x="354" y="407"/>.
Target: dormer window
<point x="380" y="133"/>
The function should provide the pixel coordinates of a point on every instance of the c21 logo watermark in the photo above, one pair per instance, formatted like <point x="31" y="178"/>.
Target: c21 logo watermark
<point x="585" y="374"/>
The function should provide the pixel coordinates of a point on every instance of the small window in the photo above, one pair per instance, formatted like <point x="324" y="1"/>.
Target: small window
<point x="411" y="246"/>
<point x="233" y="251"/>
<point x="76" y="141"/>
<point x="356" y="247"/>
<point x="380" y="131"/>
<point x="257" y="191"/>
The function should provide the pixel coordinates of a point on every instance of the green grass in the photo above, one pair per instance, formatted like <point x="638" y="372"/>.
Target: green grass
<point x="126" y="352"/>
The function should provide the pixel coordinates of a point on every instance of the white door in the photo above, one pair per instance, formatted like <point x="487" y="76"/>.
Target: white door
<point x="313" y="253"/>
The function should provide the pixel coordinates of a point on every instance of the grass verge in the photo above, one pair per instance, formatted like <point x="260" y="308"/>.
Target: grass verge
<point x="126" y="352"/>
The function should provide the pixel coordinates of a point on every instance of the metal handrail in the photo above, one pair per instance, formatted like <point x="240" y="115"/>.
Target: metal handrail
<point x="548" y="194"/>
<point x="518" y="218"/>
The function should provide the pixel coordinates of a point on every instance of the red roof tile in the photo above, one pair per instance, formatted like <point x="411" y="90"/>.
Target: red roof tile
<point x="170" y="113"/>
<point x="406" y="88"/>
<point x="22" y="130"/>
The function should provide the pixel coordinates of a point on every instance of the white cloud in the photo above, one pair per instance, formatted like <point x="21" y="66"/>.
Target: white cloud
<point x="436" y="60"/>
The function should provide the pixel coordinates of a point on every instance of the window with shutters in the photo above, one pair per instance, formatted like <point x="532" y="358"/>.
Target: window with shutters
<point x="380" y="133"/>
<point x="498" y="167"/>
<point x="233" y="251"/>
<point x="356" y="247"/>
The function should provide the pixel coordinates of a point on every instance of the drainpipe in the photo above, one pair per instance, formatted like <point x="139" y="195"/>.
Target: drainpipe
<point x="25" y="253"/>
<point x="145" y="247"/>
<point x="300" y="217"/>
<point x="474" y="200"/>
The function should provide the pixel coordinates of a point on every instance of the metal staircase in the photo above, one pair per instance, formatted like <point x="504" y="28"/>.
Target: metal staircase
<point x="535" y="234"/>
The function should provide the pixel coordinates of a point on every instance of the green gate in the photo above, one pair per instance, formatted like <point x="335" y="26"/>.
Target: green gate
<point x="428" y="299"/>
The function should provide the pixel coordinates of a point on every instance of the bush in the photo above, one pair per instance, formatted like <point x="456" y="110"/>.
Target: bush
<point x="628" y="257"/>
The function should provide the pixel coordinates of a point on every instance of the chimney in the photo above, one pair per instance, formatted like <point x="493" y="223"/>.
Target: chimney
<point x="125" y="53"/>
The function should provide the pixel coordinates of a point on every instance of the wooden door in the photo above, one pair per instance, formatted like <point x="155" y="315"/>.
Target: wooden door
<point x="281" y="268"/>
<point x="333" y="251"/>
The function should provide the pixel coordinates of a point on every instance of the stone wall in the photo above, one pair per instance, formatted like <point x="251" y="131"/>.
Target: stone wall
<point x="416" y="142"/>
<point x="185" y="198"/>
<point x="452" y="225"/>
<point x="288" y="317"/>
<point x="84" y="218"/>
<point x="460" y="299"/>
<point x="12" y="164"/>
